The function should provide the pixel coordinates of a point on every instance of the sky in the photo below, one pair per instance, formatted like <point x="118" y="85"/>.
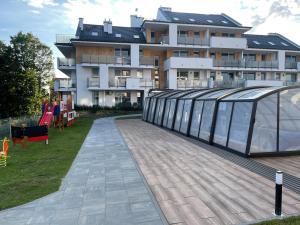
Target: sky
<point x="46" y="18"/>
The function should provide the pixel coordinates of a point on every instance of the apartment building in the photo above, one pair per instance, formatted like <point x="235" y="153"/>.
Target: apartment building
<point x="109" y="64"/>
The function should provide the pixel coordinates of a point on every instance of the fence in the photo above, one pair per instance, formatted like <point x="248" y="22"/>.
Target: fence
<point x="18" y="121"/>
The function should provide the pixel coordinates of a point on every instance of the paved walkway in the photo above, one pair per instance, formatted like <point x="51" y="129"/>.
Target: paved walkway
<point x="195" y="186"/>
<point x="103" y="187"/>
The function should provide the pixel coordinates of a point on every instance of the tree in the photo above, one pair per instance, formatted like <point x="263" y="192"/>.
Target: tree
<point x="25" y="69"/>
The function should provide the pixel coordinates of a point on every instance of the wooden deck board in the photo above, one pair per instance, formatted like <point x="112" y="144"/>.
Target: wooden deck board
<point x="195" y="186"/>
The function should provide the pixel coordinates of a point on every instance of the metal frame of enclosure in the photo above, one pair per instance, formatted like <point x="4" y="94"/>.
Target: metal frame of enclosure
<point x="252" y="121"/>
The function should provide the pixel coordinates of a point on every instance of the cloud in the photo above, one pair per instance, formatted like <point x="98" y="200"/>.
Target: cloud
<point x="35" y="11"/>
<point x="40" y="3"/>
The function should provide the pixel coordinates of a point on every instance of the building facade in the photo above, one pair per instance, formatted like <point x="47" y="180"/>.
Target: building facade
<point x="108" y="65"/>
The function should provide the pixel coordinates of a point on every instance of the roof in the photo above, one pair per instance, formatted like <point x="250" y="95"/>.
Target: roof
<point x="200" y="19"/>
<point x="271" y="41"/>
<point x="96" y="33"/>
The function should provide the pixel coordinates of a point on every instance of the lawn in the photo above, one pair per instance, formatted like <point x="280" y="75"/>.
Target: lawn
<point x="37" y="170"/>
<point x="287" y="221"/>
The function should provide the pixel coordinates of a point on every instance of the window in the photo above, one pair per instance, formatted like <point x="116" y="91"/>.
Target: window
<point x="196" y="53"/>
<point x="224" y="21"/>
<point x="136" y="36"/>
<point x="182" y="33"/>
<point x="271" y="43"/>
<point x="250" y="57"/>
<point x="263" y="57"/>
<point x="231" y="35"/>
<point x="180" y="53"/>
<point x="152" y="34"/>
<point x="122" y="73"/>
<point x="290" y="58"/>
<point x="122" y="97"/>
<point x="139" y="74"/>
<point x="175" y="18"/>
<point x="196" y="75"/>
<point x="249" y="76"/>
<point x="285" y="44"/>
<point x="182" y="75"/>
<point x="263" y="76"/>
<point x="95" y="72"/>
<point x="118" y="35"/>
<point x="225" y="35"/>
<point x="192" y="20"/>
<point x="212" y="34"/>
<point x="212" y="55"/>
<point x="95" y="97"/>
<point x="291" y="77"/>
<point x="197" y="34"/>
<point x="227" y="56"/>
<point x="94" y="33"/>
<point x="122" y="52"/>
<point x="256" y="42"/>
<point x="210" y="21"/>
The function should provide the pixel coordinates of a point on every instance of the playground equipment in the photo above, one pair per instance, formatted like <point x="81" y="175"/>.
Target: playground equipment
<point x="22" y="135"/>
<point x="4" y="153"/>
<point x="47" y="117"/>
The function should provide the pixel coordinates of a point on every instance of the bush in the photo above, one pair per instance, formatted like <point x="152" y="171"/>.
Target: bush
<point x="123" y="106"/>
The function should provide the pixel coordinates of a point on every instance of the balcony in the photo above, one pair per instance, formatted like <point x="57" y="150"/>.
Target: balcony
<point x="64" y="38"/>
<point x="229" y="84"/>
<point x="188" y="62"/>
<point x="131" y="83"/>
<point x="228" y="42"/>
<point x="290" y="65"/>
<point x="104" y="59"/>
<point x="118" y="82"/>
<point x="192" y="41"/>
<point x="148" y="61"/>
<point x="64" y="85"/>
<point x="65" y="63"/>
<point x="93" y="82"/>
<point x="245" y="64"/>
<point x="190" y="84"/>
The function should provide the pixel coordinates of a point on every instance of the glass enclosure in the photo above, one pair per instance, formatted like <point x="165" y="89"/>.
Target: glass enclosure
<point x="249" y="121"/>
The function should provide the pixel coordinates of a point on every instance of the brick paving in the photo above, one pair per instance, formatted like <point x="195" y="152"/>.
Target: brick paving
<point x="195" y="186"/>
<point x="103" y="187"/>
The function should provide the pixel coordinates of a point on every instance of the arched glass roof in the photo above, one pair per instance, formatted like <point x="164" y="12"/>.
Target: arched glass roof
<point x="216" y="94"/>
<point x="170" y="93"/>
<point x="251" y="94"/>
<point x="195" y="94"/>
<point x="182" y="93"/>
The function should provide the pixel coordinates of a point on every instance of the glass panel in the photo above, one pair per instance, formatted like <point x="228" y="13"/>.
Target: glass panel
<point x="186" y="116"/>
<point x="196" y="118"/>
<point x="178" y="115"/>
<point x="166" y="115"/>
<point x="265" y="127"/>
<point x="207" y="117"/>
<point x="222" y="123"/>
<point x="289" y="123"/>
<point x="150" y="108"/>
<point x="171" y="113"/>
<point x="157" y="110"/>
<point x="160" y="112"/>
<point x="238" y="134"/>
<point x="151" y="116"/>
<point x="146" y="107"/>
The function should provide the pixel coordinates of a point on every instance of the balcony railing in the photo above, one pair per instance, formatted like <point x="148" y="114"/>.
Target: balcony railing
<point x="229" y="84"/>
<point x="192" y="41"/>
<point x="245" y="64"/>
<point x="185" y="84"/>
<point x="290" y="65"/>
<point x="163" y="39"/>
<point x="118" y="82"/>
<point x="148" y="61"/>
<point x="64" y="38"/>
<point x="93" y="82"/>
<point x="65" y="62"/>
<point x="147" y="83"/>
<point x="103" y="59"/>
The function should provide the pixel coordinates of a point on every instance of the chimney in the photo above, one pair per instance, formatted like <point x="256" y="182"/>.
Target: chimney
<point x="80" y="23"/>
<point x="136" y="21"/>
<point x="107" y="26"/>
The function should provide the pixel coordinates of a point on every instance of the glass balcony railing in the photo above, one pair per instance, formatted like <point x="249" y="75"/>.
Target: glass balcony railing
<point x="118" y="82"/>
<point x="186" y="84"/>
<point x="229" y="83"/>
<point x="64" y="38"/>
<point x="66" y="84"/>
<point x="290" y="65"/>
<point x="65" y="62"/>
<point x="103" y="59"/>
<point x="93" y="82"/>
<point x="164" y="39"/>
<point x="245" y="64"/>
<point x="192" y="41"/>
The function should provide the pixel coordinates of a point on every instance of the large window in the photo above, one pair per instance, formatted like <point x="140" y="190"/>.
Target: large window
<point x="227" y="56"/>
<point x="122" y="97"/>
<point x="250" y="57"/>
<point x="95" y="97"/>
<point x="180" y="53"/>
<point x="182" y="75"/>
<point x="120" y="52"/>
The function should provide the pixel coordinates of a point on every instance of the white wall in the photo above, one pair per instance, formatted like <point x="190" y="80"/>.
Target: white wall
<point x="84" y="96"/>
<point x="281" y="59"/>
<point x="172" y="78"/>
<point x="135" y="55"/>
<point x="228" y="42"/>
<point x="173" y="34"/>
<point x="104" y="76"/>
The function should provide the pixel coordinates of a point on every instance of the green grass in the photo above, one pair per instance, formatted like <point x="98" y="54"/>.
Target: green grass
<point x="287" y="221"/>
<point x="37" y="170"/>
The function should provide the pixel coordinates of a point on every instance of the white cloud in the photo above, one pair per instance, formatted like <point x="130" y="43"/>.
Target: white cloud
<point x="40" y="3"/>
<point x="274" y="19"/>
<point x="35" y="11"/>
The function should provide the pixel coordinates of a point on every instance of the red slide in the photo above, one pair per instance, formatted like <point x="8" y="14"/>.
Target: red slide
<point x="47" y="118"/>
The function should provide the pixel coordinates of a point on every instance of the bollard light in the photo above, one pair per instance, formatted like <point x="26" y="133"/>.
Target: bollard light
<point x="278" y="193"/>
